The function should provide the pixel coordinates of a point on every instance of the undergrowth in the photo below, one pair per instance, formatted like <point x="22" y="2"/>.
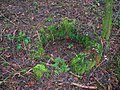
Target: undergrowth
<point x="66" y="29"/>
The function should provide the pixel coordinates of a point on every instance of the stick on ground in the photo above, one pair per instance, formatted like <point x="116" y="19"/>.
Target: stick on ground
<point x="84" y="86"/>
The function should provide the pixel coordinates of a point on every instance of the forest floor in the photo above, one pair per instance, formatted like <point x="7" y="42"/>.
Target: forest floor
<point x="29" y="16"/>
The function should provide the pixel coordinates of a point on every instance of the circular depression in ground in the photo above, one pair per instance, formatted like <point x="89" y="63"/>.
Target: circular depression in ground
<point x="66" y="49"/>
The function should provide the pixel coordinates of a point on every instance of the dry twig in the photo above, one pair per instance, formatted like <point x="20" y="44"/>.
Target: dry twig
<point x="84" y="86"/>
<point x="75" y="75"/>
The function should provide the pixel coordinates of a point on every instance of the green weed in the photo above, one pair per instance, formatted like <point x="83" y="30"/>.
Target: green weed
<point x="99" y="49"/>
<point x="36" y="54"/>
<point x="60" y="66"/>
<point x="81" y="64"/>
<point x="19" y="38"/>
<point x="39" y="70"/>
<point x="68" y="27"/>
<point x="22" y="37"/>
<point x="85" y="40"/>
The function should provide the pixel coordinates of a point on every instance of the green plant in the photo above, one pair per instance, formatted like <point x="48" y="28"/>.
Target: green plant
<point x="99" y="49"/>
<point x="81" y="64"/>
<point x="53" y="32"/>
<point x="67" y="27"/>
<point x="85" y="40"/>
<point x="90" y="43"/>
<point x="38" y="53"/>
<point x="107" y="21"/>
<point x="39" y="70"/>
<point x="70" y="46"/>
<point x="18" y="46"/>
<point x="20" y="37"/>
<point x="64" y="28"/>
<point x="60" y="66"/>
<point x="58" y="30"/>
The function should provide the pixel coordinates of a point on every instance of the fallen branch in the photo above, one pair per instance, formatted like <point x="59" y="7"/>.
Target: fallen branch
<point x="84" y="86"/>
